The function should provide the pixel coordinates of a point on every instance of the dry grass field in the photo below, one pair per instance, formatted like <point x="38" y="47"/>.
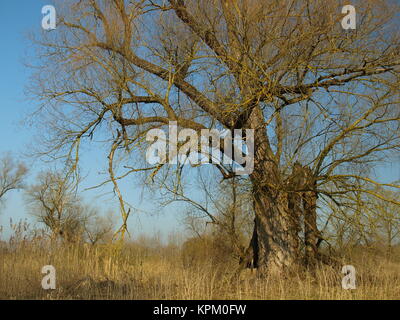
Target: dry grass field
<point x="269" y="130"/>
<point x="137" y="271"/>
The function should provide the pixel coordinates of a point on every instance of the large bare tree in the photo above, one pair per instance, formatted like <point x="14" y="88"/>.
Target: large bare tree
<point x="323" y="101"/>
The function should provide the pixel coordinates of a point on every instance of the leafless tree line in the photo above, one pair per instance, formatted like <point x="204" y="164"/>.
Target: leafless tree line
<point x="53" y="200"/>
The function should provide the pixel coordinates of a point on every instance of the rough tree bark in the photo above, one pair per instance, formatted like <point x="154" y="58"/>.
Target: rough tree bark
<point x="310" y="223"/>
<point x="283" y="208"/>
<point x="276" y="228"/>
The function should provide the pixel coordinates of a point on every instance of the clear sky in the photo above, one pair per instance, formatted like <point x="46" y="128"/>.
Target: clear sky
<point x="17" y="17"/>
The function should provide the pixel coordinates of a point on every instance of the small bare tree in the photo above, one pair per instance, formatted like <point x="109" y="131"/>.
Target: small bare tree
<point x="365" y="220"/>
<point x="99" y="228"/>
<point x="54" y="201"/>
<point x="385" y="219"/>
<point x="388" y="216"/>
<point x="12" y="175"/>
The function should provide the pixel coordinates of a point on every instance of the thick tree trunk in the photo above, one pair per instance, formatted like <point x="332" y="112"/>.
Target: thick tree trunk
<point x="282" y="211"/>
<point x="278" y="246"/>
<point x="276" y="219"/>
<point x="281" y="215"/>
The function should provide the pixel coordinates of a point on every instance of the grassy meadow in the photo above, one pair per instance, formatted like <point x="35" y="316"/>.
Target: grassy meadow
<point x="147" y="269"/>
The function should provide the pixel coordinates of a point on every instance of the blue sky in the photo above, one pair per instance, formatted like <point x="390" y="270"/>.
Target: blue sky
<point x="16" y="19"/>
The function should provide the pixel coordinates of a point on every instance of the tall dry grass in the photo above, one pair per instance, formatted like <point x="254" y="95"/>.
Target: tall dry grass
<point x="138" y="271"/>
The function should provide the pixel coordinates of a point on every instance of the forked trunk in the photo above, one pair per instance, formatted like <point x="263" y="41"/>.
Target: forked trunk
<point x="283" y="212"/>
<point x="276" y="216"/>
